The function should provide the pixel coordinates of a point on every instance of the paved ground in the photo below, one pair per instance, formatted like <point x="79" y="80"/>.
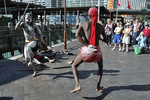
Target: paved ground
<point x="126" y="77"/>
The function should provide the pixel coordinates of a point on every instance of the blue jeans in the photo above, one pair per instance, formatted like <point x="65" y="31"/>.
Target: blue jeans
<point x="136" y="34"/>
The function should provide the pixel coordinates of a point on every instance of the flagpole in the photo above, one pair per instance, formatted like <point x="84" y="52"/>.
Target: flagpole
<point x="118" y="4"/>
<point x="98" y="10"/>
<point x="117" y="13"/>
<point x="65" y="41"/>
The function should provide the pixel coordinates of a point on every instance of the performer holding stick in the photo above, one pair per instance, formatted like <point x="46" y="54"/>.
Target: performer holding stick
<point x="31" y="41"/>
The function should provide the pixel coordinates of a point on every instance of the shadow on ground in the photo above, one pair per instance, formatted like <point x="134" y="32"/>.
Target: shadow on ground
<point x="108" y="90"/>
<point x="83" y="74"/>
<point x="6" y="98"/>
<point x="11" y="70"/>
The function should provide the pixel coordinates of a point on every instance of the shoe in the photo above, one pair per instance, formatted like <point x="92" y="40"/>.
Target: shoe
<point x="119" y="49"/>
<point x="127" y="50"/>
<point x="122" y="50"/>
<point x="113" y="49"/>
<point x="110" y="45"/>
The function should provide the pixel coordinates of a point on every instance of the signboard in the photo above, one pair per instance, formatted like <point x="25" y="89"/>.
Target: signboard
<point x="110" y="4"/>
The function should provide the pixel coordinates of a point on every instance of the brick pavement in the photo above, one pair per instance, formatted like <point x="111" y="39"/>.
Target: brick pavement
<point x="126" y="77"/>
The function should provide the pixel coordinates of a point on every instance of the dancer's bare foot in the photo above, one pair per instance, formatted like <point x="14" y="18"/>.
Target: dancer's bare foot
<point x="75" y="90"/>
<point x="52" y="61"/>
<point x="99" y="88"/>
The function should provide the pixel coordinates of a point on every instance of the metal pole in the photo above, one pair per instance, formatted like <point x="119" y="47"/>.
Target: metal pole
<point x="65" y="44"/>
<point x="44" y="17"/>
<point x="98" y="10"/>
<point x="5" y="7"/>
<point x="117" y="13"/>
<point x="78" y="13"/>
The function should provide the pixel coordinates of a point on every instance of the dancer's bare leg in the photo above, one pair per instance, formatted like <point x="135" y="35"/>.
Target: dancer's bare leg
<point x="123" y="46"/>
<point x="30" y="64"/>
<point x="100" y="72"/>
<point x="76" y="63"/>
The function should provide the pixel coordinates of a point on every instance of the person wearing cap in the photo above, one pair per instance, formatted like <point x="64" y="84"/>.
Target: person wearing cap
<point x="126" y="37"/>
<point x="93" y="33"/>
<point x="146" y="31"/>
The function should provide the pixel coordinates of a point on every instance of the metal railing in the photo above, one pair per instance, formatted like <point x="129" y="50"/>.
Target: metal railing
<point x="12" y="42"/>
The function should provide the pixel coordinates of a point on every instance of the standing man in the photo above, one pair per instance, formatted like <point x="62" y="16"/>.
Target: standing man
<point x="147" y="34"/>
<point x="136" y="30"/>
<point x="29" y="30"/>
<point x="93" y="33"/>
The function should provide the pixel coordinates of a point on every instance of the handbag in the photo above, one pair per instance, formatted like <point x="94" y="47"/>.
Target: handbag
<point x="108" y="32"/>
<point x="137" y="49"/>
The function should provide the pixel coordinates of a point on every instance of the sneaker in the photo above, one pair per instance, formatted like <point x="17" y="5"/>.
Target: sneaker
<point x="119" y="49"/>
<point x="113" y="49"/>
<point x="122" y="50"/>
<point x="127" y="50"/>
<point x="110" y="45"/>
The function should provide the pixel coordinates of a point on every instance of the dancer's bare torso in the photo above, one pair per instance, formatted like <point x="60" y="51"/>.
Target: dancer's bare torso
<point x="30" y="31"/>
<point x="87" y="27"/>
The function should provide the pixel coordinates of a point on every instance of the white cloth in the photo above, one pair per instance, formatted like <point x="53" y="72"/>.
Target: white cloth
<point x="28" y="51"/>
<point x="126" y="39"/>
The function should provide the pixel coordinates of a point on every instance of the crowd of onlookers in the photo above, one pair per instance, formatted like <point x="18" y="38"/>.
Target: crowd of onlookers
<point x="131" y="33"/>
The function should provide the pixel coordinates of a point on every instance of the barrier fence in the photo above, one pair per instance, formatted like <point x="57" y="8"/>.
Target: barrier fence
<point x="12" y="42"/>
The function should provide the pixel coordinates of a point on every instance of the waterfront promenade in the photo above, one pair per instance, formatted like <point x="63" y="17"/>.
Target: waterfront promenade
<point x="126" y="77"/>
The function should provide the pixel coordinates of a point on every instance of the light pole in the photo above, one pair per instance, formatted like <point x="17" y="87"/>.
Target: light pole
<point x="65" y="44"/>
<point x="99" y="10"/>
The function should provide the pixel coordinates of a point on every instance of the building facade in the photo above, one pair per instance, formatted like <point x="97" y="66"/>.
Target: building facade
<point x="135" y="4"/>
<point x="69" y="3"/>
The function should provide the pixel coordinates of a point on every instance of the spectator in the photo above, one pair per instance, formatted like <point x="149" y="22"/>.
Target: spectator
<point x="117" y="37"/>
<point x="78" y="23"/>
<point x="126" y="37"/>
<point x="147" y="34"/>
<point x="142" y="42"/>
<point x="100" y="22"/>
<point x="114" y="26"/>
<point x="136" y="29"/>
<point x="131" y="33"/>
<point x="108" y="31"/>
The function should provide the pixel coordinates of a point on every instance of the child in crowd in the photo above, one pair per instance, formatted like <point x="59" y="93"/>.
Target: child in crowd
<point x="126" y="37"/>
<point x="142" y="42"/>
<point x="117" y="37"/>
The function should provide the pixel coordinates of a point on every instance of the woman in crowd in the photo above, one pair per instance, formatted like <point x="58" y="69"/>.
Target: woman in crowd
<point x="108" y="31"/>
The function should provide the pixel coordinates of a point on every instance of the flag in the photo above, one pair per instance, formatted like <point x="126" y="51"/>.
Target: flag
<point x="118" y="2"/>
<point x="129" y="7"/>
